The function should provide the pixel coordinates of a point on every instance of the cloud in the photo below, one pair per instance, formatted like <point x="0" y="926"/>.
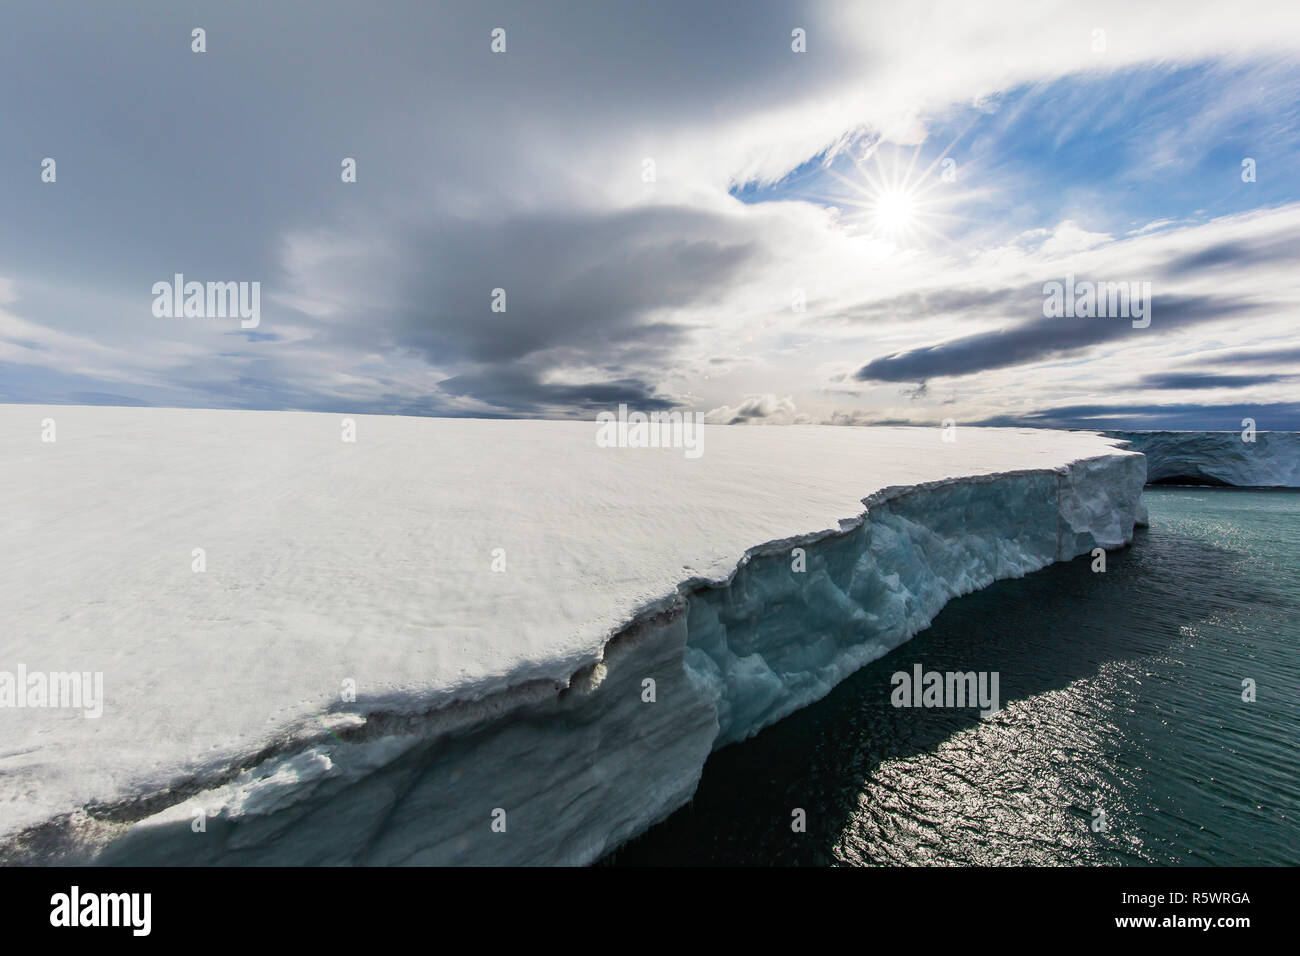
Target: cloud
<point x="1286" y="356"/>
<point x="524" y="171"/>
<point x="1070" y="237"/>
<point x="570" y="280"/>
<point x="1189" y="292"/>
<point x="768" y="409"/>
<point x="1188" y="381"/>
<point x="518" y="389"/>
<point x="1039" y="340"/>
<point x="1275" y="416"/>
<point x="1238" y="254"/>
<point x="587" y="298"/>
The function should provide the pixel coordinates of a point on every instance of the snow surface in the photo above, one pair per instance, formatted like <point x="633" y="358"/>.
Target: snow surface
<point x="371" y="562"/>
<point x="1272" y="460"/>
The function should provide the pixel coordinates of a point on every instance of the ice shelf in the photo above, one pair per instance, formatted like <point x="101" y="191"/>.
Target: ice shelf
<point x="381" y="651"/>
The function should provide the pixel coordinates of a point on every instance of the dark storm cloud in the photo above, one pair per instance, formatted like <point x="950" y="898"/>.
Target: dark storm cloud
<point x="584" y="282"/>
<point x="1191" y="380"/>
<point x="1040" y="339"/>
<point x="520" y="390"/>
<point x="581" y="290"/>
<point x="1268" y="357"/>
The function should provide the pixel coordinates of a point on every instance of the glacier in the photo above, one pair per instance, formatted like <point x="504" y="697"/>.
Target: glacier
<point x="350" y="679"/>
<point x="1270" y="460"/>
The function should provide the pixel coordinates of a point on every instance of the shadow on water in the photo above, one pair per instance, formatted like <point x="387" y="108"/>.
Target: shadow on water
<point x="1086" y="722"/>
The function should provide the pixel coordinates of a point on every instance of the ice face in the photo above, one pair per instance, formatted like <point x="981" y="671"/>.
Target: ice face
<point x="578" y="773"/>
<point x="1245" y="459"/>
<point x="774" y="640"/>
<point x="525" y="692"/>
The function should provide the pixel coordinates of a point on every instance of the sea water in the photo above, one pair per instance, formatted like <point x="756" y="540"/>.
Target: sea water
<point x="1149" y="714"/>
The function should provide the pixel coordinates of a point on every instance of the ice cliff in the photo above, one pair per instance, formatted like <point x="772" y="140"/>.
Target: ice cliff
<point x="1270" y="460"/>
<point x="467" y="641"/>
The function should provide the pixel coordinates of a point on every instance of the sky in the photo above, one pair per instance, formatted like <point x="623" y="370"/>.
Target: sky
<point x="683" y="208"/>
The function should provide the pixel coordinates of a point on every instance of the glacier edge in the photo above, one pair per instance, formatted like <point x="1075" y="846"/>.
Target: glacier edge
<point x="1243" y="460"/>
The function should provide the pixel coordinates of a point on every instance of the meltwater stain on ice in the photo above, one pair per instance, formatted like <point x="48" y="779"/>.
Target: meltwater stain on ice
<point x="1122" y="692"/>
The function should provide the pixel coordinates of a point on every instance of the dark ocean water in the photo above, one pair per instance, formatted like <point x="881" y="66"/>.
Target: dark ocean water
<point x="1120" y="692"/>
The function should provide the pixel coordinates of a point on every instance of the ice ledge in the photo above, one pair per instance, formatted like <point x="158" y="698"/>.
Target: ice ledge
<point x="1241" y="459"/>
<point x="580" y="771"/>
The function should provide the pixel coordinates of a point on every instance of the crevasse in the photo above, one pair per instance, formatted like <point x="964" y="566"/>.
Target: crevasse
<point x="569" y="776"/>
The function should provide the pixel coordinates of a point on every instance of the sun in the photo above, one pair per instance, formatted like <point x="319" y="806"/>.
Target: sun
<point x="894" y="211"/>
<point x="895" y="201"/>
